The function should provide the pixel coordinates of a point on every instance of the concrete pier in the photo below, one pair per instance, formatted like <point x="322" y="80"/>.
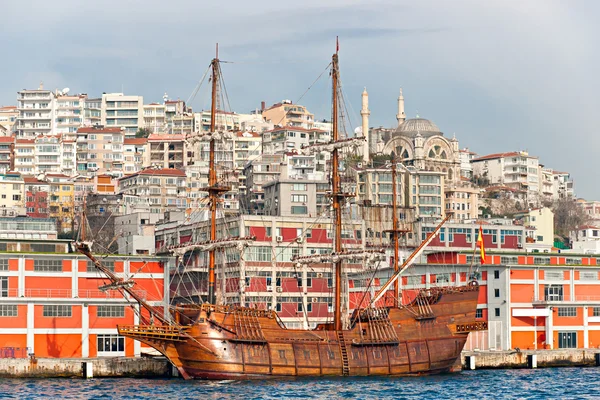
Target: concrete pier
<point x="84" y="367"/>
<point x="530" y="359"/>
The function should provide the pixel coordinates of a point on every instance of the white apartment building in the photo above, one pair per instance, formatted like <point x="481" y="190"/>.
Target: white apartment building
<point x="182" y="124"/>
<point x="225" y="121"/>
<point x="35" y="113"/>
<point x="48" y="154"/>
<point x="563" y="185"/>
<point x="92" y="112"/>
<point x="135" y="151"/>
<point x="247" y="146"/>
<point x="24" y="156"/>
<point x="420" y="189"/>
<point x="68" y="113"/>
<point x="155" y="118"/>
<point x="119" y="110"/>
<point x="546" y="177"/>
<point x="517" y="170"/>
<point x="466" y="156"/>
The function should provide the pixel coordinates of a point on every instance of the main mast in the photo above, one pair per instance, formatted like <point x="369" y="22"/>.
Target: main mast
<point x="213" y="190"/>
<point x="395" y="233"/>
<point x="337" y="195"/>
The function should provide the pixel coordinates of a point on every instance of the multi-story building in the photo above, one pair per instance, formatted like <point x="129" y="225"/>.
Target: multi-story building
<point x="591" y="208"/>
<point x="546" y="177"/>
<point x="420" y="189"/>
<point x="167" y="151"/>
<point x="24" y="156"/>
<point x="466" y="156"/>
<point x="225" y="121"/>
<point x="12" y="190"/>
<point x="100" y="151"/>
<point x="254" y="122"/>
<point x="35" y="113"/>
<point x="530" y="301"/>
<point x="68" y="113"/>
<point x="36" y="197"/>
<point x="135" y="153"/>
<point x="541" y="220"/>
<point x="7" y="145"/>
<point x="52" y="305"/>
<point x="155" y="118"/>
<point x="182" y="124"/>
<point x="119" y="110"/>
<point x="136" y="232"/>
<point x="247" y="146"/>
<point x="92" y="112"/>
<point x="463" y="200"/>
<point x="61" y="201"/>
<point x="8" y="117"/>
<point x="563" y="185"/>
<point x="265" y="276"/>
<point x="166" y="189"/>
<point x="260" y="171"/>
<point x="288" y="114"/>
<point x="48" y="154"/>
<point x="173" y="108"/>
<point x="296" y="196"/>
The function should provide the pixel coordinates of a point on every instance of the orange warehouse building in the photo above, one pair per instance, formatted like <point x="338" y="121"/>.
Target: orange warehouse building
<point x="51" y="305"/>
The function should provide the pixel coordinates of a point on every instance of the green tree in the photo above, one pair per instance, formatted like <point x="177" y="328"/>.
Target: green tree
<point x="142" y="133"/>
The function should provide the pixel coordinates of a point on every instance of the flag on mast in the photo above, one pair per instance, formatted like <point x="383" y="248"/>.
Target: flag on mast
<point x="480" y="244"/>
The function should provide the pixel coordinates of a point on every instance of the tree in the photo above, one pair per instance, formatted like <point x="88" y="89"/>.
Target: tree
<point x="142" y="133"/>
<point x="568" y="216"/>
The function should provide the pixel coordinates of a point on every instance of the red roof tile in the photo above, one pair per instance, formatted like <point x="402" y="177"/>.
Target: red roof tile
<point x="496" y="155"/>
<point x="135" y="141"/>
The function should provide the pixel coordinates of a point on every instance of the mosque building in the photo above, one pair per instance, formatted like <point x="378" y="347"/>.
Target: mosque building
<point x="416" y="142"/>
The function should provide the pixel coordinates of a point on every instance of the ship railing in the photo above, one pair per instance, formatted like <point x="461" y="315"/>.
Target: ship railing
<point x="164" y="332"/>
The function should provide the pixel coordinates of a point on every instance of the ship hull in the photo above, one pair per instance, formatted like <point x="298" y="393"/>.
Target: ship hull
<point x="230" y="343"/>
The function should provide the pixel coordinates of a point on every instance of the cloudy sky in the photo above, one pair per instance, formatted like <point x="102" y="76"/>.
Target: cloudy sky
<point x="502" y="75"/>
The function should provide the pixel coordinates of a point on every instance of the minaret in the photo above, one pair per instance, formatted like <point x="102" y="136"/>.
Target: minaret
<point x="364" y="112"/>
<point x="401" y="116"/>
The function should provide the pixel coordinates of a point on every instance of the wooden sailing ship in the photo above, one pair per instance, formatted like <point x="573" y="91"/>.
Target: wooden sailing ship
<point x="214" y="341"/>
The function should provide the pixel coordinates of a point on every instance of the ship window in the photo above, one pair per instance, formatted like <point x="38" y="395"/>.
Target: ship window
<point x="377" y="354"/>
<point x="282" y="354"/>
<point x="331" y="355"/>
<point x="307" y="355"/>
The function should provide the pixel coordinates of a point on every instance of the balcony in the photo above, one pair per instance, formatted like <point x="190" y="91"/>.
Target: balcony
<point x="66" y="294"/>
<point x="560" y="299"/>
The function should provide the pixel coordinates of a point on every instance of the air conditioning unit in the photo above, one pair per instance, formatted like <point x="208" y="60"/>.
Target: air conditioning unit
<point x="519" y="246"/>
<point x="300" y="239"/>
<point x="269" y="288"/>
<point x="315" y="299"/>
<point x="319" y="274"/>
<point x="279" y="239"/>
<point x="279" y="290"/>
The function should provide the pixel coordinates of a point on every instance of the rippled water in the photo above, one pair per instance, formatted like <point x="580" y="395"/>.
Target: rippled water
<point x="563" y="383"/>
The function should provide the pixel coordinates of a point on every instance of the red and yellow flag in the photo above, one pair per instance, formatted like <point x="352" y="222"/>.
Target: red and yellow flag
<point x="480" y="244"/>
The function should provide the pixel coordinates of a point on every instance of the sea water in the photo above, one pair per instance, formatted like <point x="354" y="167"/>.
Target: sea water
<point x="558" y="383"/>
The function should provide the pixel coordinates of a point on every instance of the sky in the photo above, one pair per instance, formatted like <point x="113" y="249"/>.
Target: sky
<point x="501" y="75"/>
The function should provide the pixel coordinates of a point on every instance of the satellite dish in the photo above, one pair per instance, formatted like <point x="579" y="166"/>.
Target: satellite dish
<point x="66" y="90"/>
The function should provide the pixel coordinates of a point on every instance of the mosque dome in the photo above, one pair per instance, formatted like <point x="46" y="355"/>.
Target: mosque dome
<point x="423" y="126"/>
